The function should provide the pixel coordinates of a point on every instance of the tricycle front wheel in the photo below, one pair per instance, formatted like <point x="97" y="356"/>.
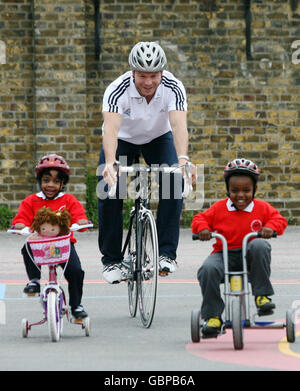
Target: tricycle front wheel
<point x="237" y="323"/>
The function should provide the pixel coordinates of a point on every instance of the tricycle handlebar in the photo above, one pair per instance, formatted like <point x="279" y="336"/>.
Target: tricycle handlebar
<point x="248" y="236"/>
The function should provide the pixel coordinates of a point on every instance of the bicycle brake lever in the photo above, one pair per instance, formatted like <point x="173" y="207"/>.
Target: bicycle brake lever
<point x="77" y="227"/>
<point x="24" y="231"/>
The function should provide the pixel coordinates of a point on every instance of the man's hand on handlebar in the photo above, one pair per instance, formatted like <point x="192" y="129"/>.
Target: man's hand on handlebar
<point x="110" y="174"/>
<point x="193" y="173"/>
<point x="189" y="170"/>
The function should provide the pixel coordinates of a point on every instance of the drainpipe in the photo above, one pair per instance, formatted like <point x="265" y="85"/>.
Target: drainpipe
<point x="247" y="4"/>
<point x="97" y="20"/>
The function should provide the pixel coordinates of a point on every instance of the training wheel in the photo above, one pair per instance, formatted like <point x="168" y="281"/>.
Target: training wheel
<point x="25" y="328"/>
<point x="87" y="326"/>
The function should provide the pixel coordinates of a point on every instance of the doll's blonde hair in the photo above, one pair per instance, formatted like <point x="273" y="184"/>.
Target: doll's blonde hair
<point x="54" y="217"/>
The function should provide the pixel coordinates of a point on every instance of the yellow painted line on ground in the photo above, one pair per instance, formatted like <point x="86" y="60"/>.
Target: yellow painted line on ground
<point x="284" y="347"/>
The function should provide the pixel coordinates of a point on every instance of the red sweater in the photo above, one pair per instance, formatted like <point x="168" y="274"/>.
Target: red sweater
<point x="234" y="225"/>
<point x="31" y="204"/>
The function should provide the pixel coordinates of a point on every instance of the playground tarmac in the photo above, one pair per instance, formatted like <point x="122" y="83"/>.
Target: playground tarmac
<point x="119" y="343"/>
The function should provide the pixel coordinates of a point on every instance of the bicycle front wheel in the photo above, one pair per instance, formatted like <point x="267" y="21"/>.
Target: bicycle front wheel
<point x="148" y="270"/>
<point x="53" y="316"/>
<point x="131" y="279"/>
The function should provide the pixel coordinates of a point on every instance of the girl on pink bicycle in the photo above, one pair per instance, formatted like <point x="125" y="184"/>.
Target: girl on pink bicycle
<point x="52" y="174"/>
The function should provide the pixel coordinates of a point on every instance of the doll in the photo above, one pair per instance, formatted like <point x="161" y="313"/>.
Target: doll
<point x="50" y="223"/>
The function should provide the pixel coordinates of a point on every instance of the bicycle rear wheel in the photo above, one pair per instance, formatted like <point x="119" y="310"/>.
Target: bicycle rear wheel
<point x="148" y="270"/>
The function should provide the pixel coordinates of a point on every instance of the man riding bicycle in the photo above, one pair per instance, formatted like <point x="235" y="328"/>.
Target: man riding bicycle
<point x="145" y="112"/>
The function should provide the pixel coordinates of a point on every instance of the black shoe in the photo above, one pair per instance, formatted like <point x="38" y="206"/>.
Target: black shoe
<point x="212" y="327"/>
<point x="79" y="312"/>
<point x="32" y="288"/>
<point x="264" y="305"/>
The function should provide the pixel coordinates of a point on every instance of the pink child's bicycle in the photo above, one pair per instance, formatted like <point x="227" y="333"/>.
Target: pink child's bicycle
<point x="51" y="252"/>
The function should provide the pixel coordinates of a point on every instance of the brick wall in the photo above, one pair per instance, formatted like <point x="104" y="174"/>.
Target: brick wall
<point x="60" y="85"/>
<point x="16" y="101"/>
<point x="52" y="85"/>
<point x="43" y="92"/>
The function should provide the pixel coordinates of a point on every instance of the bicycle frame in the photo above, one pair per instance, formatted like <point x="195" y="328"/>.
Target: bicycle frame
<point x="52" y="285"/>
<point x="142" y="201"/>
<point x="141" y="204"/>
<point x="146" y="262"/>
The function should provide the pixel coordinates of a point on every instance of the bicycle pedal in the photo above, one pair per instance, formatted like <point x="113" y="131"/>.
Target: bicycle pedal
<point x="209" y="336"/>
<point x="76" y="320"/>
<point x="265" y="313"/>
<point x="31" y="294"/>
<point x="214" y="335"/>
<point x="163" y="273"/>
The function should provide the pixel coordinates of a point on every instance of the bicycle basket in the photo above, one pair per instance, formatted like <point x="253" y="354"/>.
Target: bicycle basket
<point x="50" y="251"/>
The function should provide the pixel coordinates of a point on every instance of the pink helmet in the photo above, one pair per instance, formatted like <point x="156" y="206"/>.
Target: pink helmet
<point x="52" y="161"/>
<point x="242" y="166"/>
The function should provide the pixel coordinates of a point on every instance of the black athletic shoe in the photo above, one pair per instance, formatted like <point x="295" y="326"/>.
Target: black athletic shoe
<point x="79" y="312"/>
<point x="212" y="327"/>
<point x="32" y="288"/>
<point x="264" y="305"/>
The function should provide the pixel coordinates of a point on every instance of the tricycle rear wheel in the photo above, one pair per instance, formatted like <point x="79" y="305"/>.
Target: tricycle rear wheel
<point x="195" y="326"/>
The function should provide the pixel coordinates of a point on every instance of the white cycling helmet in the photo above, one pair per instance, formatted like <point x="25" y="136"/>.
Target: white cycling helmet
<point x="147" y="57"/>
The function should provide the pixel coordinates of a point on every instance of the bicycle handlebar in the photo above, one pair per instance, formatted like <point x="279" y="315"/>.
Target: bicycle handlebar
<point x="26" y="231"/>
<point x="187" y="176"/>
<point x="76" y="227"/>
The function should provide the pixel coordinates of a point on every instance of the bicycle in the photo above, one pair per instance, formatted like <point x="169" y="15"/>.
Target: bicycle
<point x="140" y="250"/>
<point x="52" y="298"/>
<point x="237" y="307"/>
